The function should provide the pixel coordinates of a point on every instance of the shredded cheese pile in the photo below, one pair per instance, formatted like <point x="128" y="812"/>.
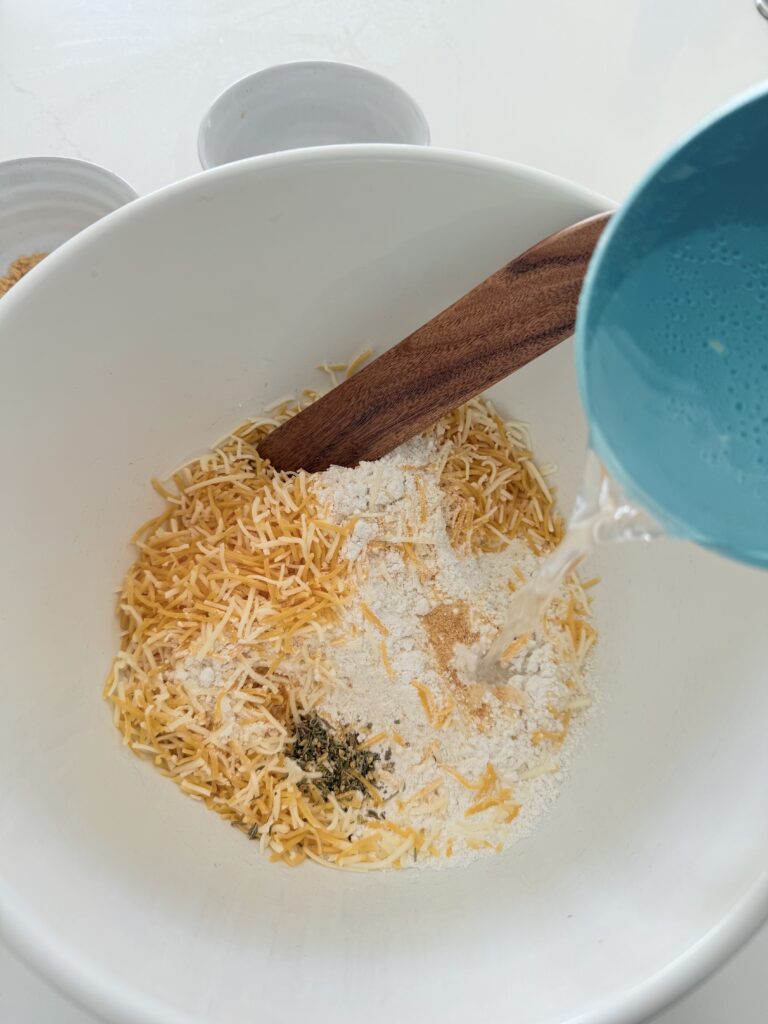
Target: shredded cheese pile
<point x="242" y="561"/>
<point x="239" y="556"/>
<point x="496" y="491"/>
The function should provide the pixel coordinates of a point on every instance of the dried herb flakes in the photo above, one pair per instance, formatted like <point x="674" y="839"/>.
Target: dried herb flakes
<point x="336" y="754"/>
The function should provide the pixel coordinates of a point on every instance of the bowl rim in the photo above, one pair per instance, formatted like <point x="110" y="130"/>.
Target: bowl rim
<point x="55" y="162"/>
<point x="203" y="132"/>
<point x="100" y="992"/>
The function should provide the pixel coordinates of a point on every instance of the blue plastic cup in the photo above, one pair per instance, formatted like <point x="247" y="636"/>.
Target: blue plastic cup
<point x="672" y="337"/>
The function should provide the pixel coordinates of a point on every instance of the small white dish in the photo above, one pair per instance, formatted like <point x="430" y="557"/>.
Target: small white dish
<point x="44" y="201"/>
<point x="307" y="103"/>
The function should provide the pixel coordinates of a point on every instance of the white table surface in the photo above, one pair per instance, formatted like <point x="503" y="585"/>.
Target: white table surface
<point x="591" y="89"/>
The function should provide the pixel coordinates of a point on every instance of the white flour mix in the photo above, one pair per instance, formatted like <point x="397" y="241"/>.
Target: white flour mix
<point x="403" y="658"/>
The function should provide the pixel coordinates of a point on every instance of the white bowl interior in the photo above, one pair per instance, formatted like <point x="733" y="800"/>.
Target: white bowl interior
<point x="138" y="344"/>
<point x="308" y="103"/>
<point x="44" y="201"/>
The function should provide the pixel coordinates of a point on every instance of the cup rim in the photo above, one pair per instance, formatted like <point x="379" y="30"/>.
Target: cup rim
<point x="600" y="441"/>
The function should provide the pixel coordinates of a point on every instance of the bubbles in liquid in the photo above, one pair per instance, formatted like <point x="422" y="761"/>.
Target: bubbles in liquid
<point x="716" y="322"/>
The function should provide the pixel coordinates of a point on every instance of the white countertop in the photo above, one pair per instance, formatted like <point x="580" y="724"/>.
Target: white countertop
<point x="593" y="90"/>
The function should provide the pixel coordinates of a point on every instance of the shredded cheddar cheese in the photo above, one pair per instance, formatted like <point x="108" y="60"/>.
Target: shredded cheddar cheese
<point x="494" y="487"/>
<point x="241" y="557"/>
<point x="242" y="575"/>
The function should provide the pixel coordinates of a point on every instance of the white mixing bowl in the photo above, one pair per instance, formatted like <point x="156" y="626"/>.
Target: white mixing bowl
<point x="132" y="347"/>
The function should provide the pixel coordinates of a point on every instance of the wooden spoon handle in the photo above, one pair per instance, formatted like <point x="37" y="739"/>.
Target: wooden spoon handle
<point x="512" y="317"/>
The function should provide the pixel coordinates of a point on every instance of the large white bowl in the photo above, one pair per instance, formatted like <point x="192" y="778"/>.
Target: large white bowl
<point x="134" y="346"/>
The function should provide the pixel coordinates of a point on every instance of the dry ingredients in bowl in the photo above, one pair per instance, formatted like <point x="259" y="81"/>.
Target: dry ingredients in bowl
<point x="298" y="650"/>
<point x="18" y="269"/>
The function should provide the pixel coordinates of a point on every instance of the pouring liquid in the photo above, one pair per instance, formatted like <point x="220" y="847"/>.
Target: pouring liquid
<point x="601" y="515"/>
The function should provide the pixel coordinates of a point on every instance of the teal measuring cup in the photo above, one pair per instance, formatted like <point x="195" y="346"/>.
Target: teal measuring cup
<point x="672" y="337"/>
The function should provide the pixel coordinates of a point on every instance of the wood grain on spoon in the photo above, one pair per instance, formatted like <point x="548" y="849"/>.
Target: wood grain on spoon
<point x="512" y="317"/>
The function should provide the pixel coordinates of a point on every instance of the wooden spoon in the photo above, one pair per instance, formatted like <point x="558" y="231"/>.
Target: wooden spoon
<point x="512" y="317"/>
